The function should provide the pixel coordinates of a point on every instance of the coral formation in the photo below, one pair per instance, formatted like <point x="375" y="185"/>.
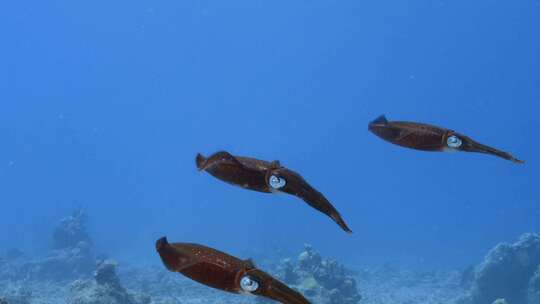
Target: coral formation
<point x="71" y="231"/>
<point x="507" y="272"/>
<point x="74" y="260"/>
<point x="323" y="281"/>
<point x="379" y="285"/>
<point x="105" y="288"/>
<point x="72" y="255"/>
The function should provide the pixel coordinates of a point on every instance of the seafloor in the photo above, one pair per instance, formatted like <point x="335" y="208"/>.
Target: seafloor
<point x="71" y="273"/>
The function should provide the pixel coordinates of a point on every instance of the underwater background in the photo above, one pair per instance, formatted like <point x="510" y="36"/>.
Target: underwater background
<point x="105" y="104"/>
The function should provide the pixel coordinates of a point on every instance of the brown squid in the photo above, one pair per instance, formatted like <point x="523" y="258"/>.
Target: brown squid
<point x="267" y="177"/>
<point x="219" y="270"/>
<point x="426" y="137"/>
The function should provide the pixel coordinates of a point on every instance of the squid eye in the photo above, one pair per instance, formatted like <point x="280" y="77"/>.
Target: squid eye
<point x="249" y="284"/>
<point x="277" y="182"/>
<point x="453" y="142"/>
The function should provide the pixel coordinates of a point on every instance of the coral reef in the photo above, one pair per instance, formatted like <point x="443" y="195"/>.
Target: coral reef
<point x="72" y="255"/>
<point x="507" y="272"/>
<point x="105" y="288"/>
<point x="71" y="231"/>
<point x="323" y="281"/>
<point x="379" y="285"/>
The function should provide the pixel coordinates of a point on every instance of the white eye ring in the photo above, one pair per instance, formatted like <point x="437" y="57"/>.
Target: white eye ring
<point x="277" y="182"/>
<point x="454" y="142"/>
<point x="248" y="284"/>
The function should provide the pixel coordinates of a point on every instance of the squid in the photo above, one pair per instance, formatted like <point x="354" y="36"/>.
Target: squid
<point x="267" y="177"/>
<point x="426" y="137"/>
<point x="222" y="271"/>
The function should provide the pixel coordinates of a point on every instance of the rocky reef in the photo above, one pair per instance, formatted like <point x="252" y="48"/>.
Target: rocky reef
<point x="68" y="273"/>
<point x="321" y="280"/>
<point x="26" y="278"/>
<point x="71" y="231"/>
<point x="71" y="255"/>
<point x="105" y="288"/>
<point x="71" y="273"/>
<point x="510" y="272"/>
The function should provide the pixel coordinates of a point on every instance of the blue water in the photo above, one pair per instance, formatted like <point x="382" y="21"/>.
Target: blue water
<point x="104" y="105"/>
